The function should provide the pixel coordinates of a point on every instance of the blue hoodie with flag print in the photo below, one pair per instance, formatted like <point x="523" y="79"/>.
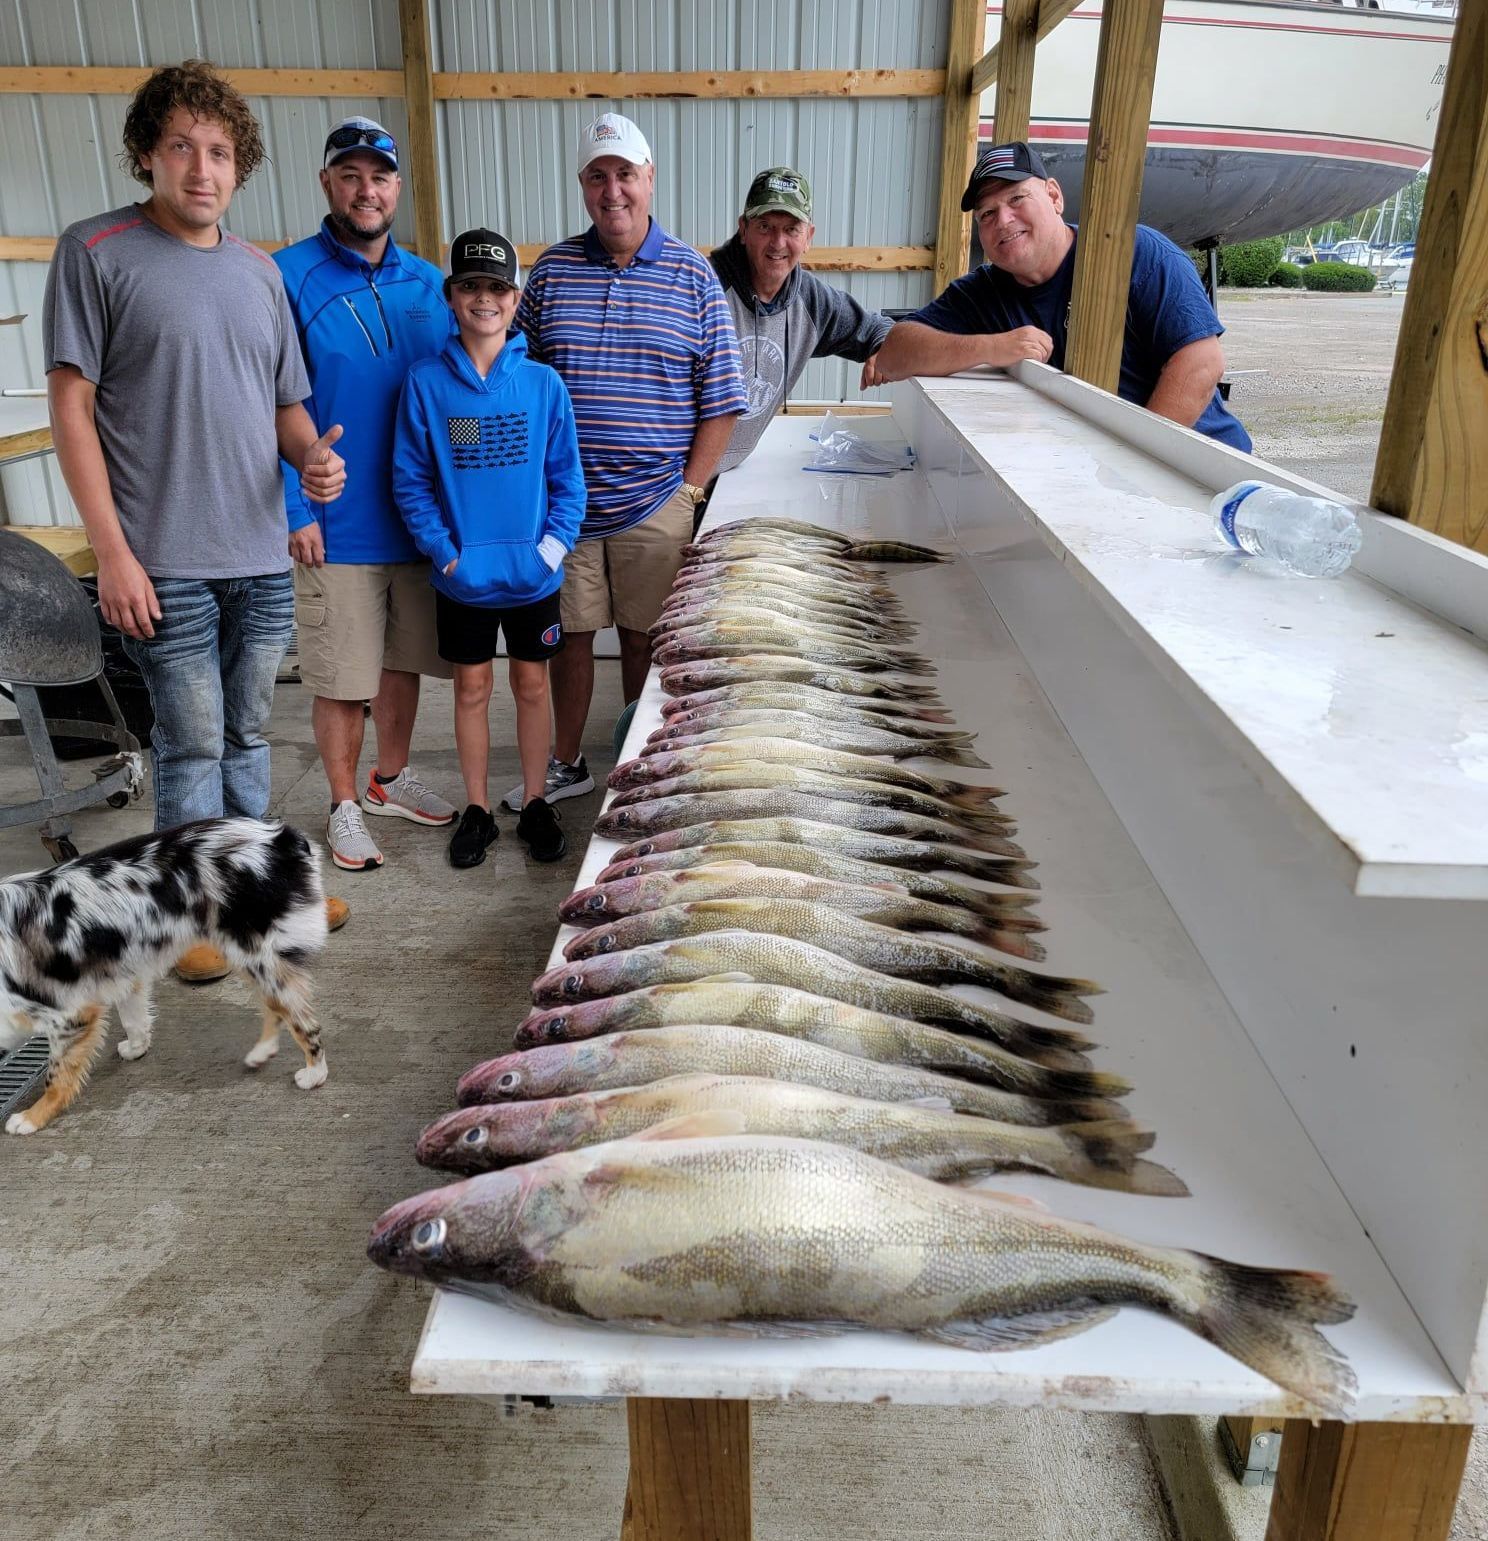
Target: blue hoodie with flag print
<point x="488" y="471"/>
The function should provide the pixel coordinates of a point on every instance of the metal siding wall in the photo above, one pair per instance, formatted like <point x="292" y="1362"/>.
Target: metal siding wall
<point x="872" y="161"/>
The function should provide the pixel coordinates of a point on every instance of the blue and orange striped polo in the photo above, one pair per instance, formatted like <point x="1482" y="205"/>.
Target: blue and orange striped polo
<point x="647" y="352"/>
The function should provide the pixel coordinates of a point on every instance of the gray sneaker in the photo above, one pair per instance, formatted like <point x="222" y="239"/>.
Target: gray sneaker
<point x="563" y="780"/>
<point x="406" y="797"/>
<point x="352" y="848"/>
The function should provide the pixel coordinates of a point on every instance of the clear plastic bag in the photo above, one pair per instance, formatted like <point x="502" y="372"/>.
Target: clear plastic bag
<point x="842" y="452"/>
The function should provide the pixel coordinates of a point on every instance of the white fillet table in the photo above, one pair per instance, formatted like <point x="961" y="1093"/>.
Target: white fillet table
<point x="1207" y="823"/>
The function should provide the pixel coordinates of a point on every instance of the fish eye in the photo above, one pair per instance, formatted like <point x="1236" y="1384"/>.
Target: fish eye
<point x="429" y="1236"/>
<point x="632" y="871"/>
<point x="474" y="1138"/>
<point x="595" y="902"/>
<point x="605" y="944"/>
<point x="646" y="848"/>
<point x="573" y="984"/>
<point x="508" y="1082"/>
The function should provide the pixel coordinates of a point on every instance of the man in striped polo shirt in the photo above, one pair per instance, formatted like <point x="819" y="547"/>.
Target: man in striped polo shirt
<point x="636" y="324"/>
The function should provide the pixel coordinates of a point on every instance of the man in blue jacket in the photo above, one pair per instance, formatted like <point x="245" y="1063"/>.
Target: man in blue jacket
<point x="366" y="311"/>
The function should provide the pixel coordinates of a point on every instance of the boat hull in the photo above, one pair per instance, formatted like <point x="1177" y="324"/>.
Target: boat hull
<point x="1266" y="116"/>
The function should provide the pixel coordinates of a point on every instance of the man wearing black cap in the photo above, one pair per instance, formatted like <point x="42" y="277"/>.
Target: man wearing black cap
<point x="1017" y="305"/>
<point x="366" y="310"/>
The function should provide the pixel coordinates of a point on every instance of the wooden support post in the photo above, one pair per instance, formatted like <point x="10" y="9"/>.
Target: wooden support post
<point x="1119" y="114"/>
<point x="421" y="168"/>
<point x="689" y="1471"/>
<point x="1367" y="1481"/>
<point x="958" y="139"/>
<point x="1020" y="19"/>
<point x="1432" y="466"/>
<point x="988" y="67"/>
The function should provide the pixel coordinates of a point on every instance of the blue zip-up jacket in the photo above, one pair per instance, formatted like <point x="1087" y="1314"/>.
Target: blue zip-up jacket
<point x="488" y="471"/>
<point x="360" y="328"/>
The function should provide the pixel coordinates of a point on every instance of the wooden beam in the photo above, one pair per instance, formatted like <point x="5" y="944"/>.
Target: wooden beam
<point x="989" y="66"/>
<point x="1431" y="461"/>
<point x="1367" y="1481"/>
<point x="1016" y="42"/>
<point x="25" y="443"/>
<point x="826" y="259"/>
<point x="1120" y="110"/>
<point x="102" y="80"/>
<point x="689" y="1471"/>
<point x="421" y="162"/>
<point x="687" y="84"/>
<point x="968" y="27"/>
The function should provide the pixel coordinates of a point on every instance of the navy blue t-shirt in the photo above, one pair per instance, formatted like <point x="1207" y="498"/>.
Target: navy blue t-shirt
<point x="1166" y="310"/>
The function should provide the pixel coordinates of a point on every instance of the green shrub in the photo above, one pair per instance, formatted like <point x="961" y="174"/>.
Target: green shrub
<point x="1287" y="276"/>
<point x="1250" y="264"/>
<point x="1337" y="277"/>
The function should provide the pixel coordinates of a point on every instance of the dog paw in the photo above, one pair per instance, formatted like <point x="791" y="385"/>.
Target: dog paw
<point x="311" y="1076"/>
<point x="18" y="1123"/>
<point x="130" y="1050"/>
<point x="260" y="1054"/>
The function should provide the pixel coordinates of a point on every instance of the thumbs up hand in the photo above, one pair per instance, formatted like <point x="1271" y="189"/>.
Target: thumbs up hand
<point x="323" y="474"/>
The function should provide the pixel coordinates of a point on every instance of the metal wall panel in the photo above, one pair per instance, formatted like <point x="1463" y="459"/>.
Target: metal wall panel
<point x="872" y="161"/>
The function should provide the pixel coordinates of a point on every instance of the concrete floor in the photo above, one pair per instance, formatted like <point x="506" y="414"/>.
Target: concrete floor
<point x="197" y="1346"/>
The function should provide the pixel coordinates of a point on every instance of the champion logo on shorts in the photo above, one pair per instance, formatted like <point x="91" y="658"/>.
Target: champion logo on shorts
<point x="552" y="636"/>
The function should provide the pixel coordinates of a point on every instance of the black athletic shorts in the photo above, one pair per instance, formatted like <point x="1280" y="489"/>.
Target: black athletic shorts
<point x="468" y="633"/>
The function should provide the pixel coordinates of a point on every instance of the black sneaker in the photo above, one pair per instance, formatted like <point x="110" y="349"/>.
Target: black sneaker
<point x="477" y="830"/>
<point x="538" y="827"/>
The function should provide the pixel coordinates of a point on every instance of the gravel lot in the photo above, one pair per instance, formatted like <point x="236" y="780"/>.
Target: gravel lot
<point x="1324" y="362"/>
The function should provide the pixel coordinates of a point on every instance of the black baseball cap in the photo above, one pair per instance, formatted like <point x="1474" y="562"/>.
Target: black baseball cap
<point x="484" y="254"/>
<point x="1014" y="162"/>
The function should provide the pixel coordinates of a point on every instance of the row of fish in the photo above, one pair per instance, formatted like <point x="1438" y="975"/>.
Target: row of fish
<point x="748" y="1100"/>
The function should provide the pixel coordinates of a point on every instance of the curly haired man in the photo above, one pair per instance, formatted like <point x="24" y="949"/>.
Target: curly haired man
<point x="175" y="383"/>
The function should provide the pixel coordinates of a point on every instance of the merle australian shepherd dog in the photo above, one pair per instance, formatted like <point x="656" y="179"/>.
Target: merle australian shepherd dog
<point x="100" y="930"/>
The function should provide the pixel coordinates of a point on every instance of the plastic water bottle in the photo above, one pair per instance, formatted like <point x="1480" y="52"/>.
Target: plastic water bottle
<point x="1311" y="536"/>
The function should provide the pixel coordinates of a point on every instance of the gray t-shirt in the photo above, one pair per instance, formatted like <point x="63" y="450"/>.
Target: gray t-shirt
<point x="192" y="350"/>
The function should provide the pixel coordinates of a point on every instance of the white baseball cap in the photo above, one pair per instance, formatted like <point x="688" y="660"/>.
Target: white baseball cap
<point x="610" y="134"/>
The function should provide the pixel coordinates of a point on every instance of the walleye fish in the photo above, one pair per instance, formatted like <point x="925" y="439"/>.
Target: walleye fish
<point x="638" y="1057"/>
<point x="738" y="880"/>
<point x="787" y="598"/>
<point x="1037" y="1071"/>
<point x="800" y="573"/>
<point x="781" y="695"/>
<point x="784" y="555"/>
<point x="802" y="728"/>
<point x="823" y="864"/>
<point x="632" y="821"/>
<point x="853" y="551"/>
<point x="681" y="679"/>
<point x="767" y="750"/>
<point x="835" y="840"/>
<point x="816" y="534"/>
<point x="928" y="1138"/>
<point x="715" y="780"/>
<point x="805" y="650"/>
<point x="752" y="611"/>
<point x="749" y="1230"/>
<point x="875" y="947"/>
<point x="765" y="958"/>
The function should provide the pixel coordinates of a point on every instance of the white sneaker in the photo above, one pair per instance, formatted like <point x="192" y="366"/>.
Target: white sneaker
<point x="352" y="848"/>
<point x="563" y="780"/>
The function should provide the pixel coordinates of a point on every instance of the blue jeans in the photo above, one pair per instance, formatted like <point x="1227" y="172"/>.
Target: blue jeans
<point x="210" y="670"/>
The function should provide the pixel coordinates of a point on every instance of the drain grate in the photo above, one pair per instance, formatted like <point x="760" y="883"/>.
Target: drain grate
<point x="22" y="1073"/>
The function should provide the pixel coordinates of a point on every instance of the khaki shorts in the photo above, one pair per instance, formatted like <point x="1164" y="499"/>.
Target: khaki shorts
<point x="624" y="579"/>
<point x="357" y="619"/>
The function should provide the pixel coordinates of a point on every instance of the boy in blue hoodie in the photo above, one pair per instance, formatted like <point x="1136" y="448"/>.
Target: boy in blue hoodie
<point x="486" y="475"/>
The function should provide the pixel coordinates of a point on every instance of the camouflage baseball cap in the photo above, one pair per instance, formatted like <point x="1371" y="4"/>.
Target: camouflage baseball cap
<point x="780" y="190"/>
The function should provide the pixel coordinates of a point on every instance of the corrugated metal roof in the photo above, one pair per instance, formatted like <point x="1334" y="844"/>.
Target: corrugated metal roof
<point x="873" y="162"/>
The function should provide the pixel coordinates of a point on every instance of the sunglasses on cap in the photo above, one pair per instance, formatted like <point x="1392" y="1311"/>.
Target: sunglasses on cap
<point x="374" y="138"/>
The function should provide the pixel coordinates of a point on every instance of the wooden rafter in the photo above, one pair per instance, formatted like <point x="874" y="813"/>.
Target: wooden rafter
<point x="1120" y="110"/>
<point x="968" y="25"/>
<point x="1433" y="453"/>
<point x="1051" y="13"/>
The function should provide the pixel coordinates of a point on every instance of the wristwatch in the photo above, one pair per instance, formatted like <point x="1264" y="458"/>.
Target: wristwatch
<point x="696" y="494"/>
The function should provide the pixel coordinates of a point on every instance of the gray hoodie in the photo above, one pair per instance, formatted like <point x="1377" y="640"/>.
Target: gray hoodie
<point x="807" y="319"/>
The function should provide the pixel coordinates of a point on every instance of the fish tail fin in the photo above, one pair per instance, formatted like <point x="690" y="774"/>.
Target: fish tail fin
<point x="912" y="663"/>
<point x="1107" y="1155"/>
<point x="951" y="753"/>
<point x="1083" y="1110"/>
<point x="1016" y="942"/>
<point x="1049" y="992"/>
<point x="889" y="551"/>
<point x="1267" y="1318"/>
<point x="975" y="798"/>
<point x="985" y="821"/>
<point x="904" y="691"/>
<point x="1084" y="1085"/>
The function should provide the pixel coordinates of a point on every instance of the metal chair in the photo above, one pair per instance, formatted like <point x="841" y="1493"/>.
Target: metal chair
<point x="49" y="636"/>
